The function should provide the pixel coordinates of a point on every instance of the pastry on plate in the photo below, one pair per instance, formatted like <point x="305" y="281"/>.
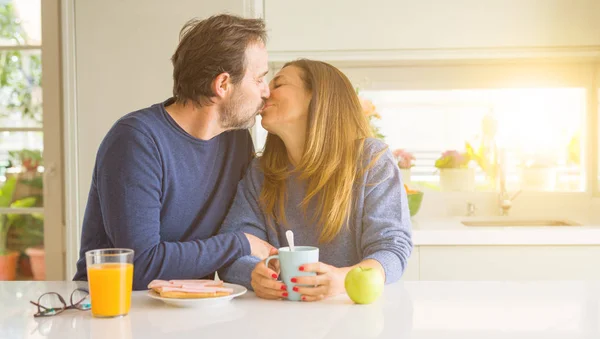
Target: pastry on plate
<point x="189" y="289"/>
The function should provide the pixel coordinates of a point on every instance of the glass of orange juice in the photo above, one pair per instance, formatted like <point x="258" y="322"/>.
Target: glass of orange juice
<point x="110" y="277"/>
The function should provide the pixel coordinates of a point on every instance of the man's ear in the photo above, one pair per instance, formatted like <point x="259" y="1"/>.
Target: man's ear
<point x="222" y="85"/>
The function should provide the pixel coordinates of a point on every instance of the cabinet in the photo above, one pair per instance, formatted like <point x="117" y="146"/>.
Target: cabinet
<point x="412" y="268"/>
<point x="355" y="26"/>
<point x="509" y="262"/>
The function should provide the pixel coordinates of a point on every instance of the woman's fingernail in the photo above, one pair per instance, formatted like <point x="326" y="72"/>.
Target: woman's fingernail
<point x="274" y="276"/>
<point x="285" y="294"/>
<point x="303" y="298"/>
<point x="301" y="268"/>
<point x="295" y="289"/>
<point x="294" y="280"/>
<point x="283" y="287"/>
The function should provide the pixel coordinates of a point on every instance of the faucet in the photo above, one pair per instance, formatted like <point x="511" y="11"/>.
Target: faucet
<point x="471" y="209"/>
<point x="505" y="201"/>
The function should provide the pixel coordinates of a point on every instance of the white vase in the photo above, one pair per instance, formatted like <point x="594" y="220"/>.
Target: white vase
<point x="405" y="172"/>
<point x="457" y="179"/>
<point x="538" y="179"/>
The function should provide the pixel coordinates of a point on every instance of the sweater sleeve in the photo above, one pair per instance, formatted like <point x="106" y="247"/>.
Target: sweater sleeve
<point x="386" y="221"/>
<point x="129" y="180"/>
<point x="245" y="215"/>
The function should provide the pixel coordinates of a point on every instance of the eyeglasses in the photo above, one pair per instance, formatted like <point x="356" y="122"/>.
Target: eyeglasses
<point x="52" y="303"/>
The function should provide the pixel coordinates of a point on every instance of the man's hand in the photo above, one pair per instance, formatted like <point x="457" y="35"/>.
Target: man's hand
<point x="259" y="248"/>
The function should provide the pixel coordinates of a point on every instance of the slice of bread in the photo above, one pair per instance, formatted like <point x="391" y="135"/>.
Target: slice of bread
<point x="189" y="289"/>
<point x="192" y="295"/>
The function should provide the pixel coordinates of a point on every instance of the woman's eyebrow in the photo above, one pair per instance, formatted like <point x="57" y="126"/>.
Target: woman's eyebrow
<point x="279" y="77"/>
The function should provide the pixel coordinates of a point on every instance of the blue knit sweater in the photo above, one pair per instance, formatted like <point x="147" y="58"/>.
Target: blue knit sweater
<point x="379" y="225"/>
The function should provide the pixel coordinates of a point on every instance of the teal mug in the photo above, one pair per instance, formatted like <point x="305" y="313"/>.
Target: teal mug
<point x="290" y="262"/>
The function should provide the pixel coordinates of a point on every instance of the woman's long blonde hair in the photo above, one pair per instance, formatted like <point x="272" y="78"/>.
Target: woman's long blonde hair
<point x="331" y="163"/>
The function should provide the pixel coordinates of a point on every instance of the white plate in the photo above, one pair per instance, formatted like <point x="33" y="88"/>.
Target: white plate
<point x="238" y="290"/>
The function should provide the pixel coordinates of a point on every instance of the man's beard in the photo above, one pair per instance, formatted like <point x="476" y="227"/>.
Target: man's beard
<point x="235" y="116"/>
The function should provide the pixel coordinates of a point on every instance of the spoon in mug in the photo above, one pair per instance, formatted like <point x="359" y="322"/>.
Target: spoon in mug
<point x="290" y="239"/>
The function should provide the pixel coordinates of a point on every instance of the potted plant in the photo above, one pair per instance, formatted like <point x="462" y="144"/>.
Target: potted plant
<point x="415" y="198"/>
<point x="455" y="174"/>
<point x="405" y="162"/>
<point x="27" y="231"/>
<point x="8" y="259"/>
<point x="485" y="158"/>
<point x="26" y="236"/>
<point x="12" y="222"/>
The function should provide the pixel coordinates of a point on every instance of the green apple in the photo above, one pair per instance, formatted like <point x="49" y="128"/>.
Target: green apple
<point x="364" y="285"/>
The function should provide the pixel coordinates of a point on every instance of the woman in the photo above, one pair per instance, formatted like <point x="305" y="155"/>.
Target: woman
<point x="323" y="176"/>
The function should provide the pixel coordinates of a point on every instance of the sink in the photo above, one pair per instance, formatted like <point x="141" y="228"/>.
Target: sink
<point x="518" y="222"/>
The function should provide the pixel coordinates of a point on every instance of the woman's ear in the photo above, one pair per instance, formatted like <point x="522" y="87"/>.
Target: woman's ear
<point x="222" y="85"/>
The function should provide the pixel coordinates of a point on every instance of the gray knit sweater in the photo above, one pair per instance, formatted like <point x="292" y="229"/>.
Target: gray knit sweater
<point x="379" y="225"/>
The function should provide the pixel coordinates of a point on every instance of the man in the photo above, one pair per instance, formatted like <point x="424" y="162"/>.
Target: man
<point x="165" y="176"/>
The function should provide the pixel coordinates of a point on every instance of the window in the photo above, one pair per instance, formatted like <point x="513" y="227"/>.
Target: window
<point x="21" y="130"/>
<point x="538" y="129"/>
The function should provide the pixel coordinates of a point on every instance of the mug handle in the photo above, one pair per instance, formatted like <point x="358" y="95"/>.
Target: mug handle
<point x="276" y="256"/>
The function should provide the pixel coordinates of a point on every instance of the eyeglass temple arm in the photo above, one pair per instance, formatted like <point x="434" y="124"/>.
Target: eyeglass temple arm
<point x="38" y="305"/>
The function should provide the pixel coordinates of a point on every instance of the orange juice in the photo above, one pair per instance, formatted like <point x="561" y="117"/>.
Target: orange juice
<point x="110" y="288"/>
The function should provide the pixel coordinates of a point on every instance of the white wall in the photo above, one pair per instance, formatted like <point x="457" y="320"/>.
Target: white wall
<point x="123" y="50"/>
<point x="123" y="62"/>
<point x="351" y="25"/>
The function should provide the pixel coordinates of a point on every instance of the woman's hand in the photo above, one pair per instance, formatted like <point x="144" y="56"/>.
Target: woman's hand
<point x="328" y="282"/>
<point x="264" y="281"/>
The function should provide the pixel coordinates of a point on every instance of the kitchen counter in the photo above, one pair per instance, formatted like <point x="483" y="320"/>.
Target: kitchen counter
<point x="406" y="310"/>
<point x="450" y="231"/>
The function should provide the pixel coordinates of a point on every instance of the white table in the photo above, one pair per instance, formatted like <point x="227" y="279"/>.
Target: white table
<point x="406" y="310"/>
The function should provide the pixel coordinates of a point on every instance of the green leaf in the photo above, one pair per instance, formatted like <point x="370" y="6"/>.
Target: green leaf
<point x="3" y="234"/>
<point x="470" y="150"/>
<point x="445" y="162"/>
<point x="24" y="203"/>
<point x="21" y="203"/>
<point x="7" y="191"/>
<point x="35" y="182"/>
